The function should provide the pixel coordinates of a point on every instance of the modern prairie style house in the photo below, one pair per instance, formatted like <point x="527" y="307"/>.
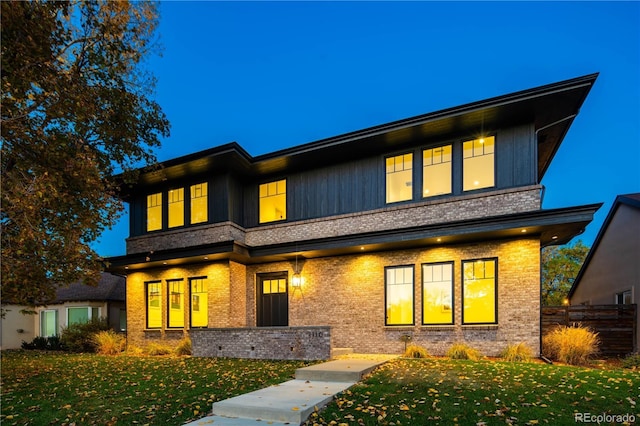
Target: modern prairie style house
<point x="427" y="228"/>
<point x="611" y="272"/>
<point x="76" y="303"/>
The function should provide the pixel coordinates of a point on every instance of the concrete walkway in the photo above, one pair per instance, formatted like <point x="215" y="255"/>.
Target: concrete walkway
<point x="292" y="402"/>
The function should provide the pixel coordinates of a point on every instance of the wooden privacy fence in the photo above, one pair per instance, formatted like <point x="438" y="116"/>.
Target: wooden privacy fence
<point x="615" y="324"/>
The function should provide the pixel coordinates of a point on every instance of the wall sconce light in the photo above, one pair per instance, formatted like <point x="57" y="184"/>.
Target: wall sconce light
<point x="296" y="280"/>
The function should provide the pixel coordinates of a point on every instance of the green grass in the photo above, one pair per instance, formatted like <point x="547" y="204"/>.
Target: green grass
<point x="449" y="392"/>
<point x="41" y="388"/>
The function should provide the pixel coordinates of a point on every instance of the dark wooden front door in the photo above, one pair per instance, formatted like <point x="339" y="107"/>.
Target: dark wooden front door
<point x="273" y="300"/>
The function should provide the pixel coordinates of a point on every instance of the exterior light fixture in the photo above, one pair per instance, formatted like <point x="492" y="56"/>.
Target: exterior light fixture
<point x="296" y="278"/>
<point x="524" y="231"/>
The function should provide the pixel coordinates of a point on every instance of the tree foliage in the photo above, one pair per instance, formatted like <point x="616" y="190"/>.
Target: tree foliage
<point x="76" y="108"/>
<point x="560" y="266"/>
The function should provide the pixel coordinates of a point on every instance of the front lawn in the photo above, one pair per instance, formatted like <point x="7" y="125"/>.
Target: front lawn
<point x="40" y="388"/>
<point x="447" y="392"/>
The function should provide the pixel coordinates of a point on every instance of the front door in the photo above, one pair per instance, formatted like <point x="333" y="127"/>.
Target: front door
<point x="273" y="300"/>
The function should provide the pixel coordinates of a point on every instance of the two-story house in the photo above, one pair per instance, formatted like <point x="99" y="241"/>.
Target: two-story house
<point x="428" y="227"/>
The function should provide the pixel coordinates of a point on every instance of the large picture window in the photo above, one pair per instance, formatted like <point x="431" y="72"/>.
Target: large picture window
<point x="437" y="293"/>
<point x="273" y="201"/>
<point x="399" y="177"/>
<point x="154" y="211"/>
<point x="478" y="163"/>
<point x="436" y="171"/>
<point x="176" y="303"/>
<point x="79" y="315"/>
<point x="399" y="295"/>
<point x="48" y="323"/>
<point x="199" y="302"/>
<point x="176" y="207"/>
<point x="199" y="210"/>
<point x="154" y="302"/>
<point x="479" y="291"/>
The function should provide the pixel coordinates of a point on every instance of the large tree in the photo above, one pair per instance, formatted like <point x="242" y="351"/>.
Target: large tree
<point x="77" y="107"/>
<point x="560" y="266"/>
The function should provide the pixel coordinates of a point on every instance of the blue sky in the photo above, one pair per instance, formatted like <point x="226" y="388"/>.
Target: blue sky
<point x="271" y="75"/>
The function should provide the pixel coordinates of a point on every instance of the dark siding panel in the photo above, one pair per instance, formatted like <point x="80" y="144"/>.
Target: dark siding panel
<point x="219" y="199"/>
<point x="236" y="201"/>
<point x="515" y="157"/>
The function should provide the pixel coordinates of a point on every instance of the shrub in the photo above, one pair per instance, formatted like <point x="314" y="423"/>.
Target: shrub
<point x="415" y="351"/>
<point x="51" y="343"/>
<point x="517" y="352"/>
<point x="632" y="361"/>
<point x="109" y="342"/>
<point x="184" y="347"/>
<point x="79" y="337"/>
<point x="158" y="349"/>
<point x="570" y="345"/>
<point x="463" y="351"/>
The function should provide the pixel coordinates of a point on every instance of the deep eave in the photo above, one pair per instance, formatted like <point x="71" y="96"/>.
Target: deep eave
<point x="551" y="108"/>
<point x="554" y="226"/>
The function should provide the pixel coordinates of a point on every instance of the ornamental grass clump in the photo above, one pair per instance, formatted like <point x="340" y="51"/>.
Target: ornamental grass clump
<point x="570" y="345"/>
<point x="415" y="351"/>
<point x="517" y="352"/>
<point x="109" y="342"/>
<point x="184" y="347"/>
<point x="463" y="351"/>
<point x="156" y="349"/>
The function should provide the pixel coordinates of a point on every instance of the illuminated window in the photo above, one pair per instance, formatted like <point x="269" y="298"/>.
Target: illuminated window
<point x="48" y="323"/>
<point x="176" y="207"/>
<point x="199" y="302"/>
<point x="479" y="295"/>
<point x="478" y="163"/>
<point x="436" y="171"/>
<point x="154" y="212"/>
<point x="273" y="201"/>
<point x="79" y="315"/>
<point x="176" y="303"/>
<point x="399" y="295"/>
<point x="437" y="293"/>
<point x="399" y="172"/>
<point x="199" y="211"/>
<point x="154" y="313"/>
<point x="274" y="286"/>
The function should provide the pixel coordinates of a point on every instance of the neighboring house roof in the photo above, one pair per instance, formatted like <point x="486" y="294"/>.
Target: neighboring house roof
<point x="551" y="108"/>
<point x="110" y="288"/>
<point x="632" y="200"/>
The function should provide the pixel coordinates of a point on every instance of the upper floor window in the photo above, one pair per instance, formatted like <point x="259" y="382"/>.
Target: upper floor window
<point x="399" y="295"/>
<point x="437" y="293"/>
<point x="436" y="171"/>
<point x="199" y="302"/>
<point x="199" y="211"/>
<point x="399" y="176"/>
<point x="479" y="292"/>
<point x="176" y="207"/>
<point x="478" y="163"/>
<point x="154" y="211"/>
<point x="273" y="201"/>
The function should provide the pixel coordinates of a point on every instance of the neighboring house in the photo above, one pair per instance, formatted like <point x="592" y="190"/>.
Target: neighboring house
<point x="610" y="273"/>
<point x="76" y="303"/>
<point x="429" y="227"/>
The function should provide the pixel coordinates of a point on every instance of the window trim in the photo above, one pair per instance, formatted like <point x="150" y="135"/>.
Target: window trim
<point x="451" y="170"/>
<point x="413" y="295"/>
<point x="191" y="279"/>
<point x="453" y="292"/>
<point x="191" y="202"/>
<point x="386" y="176"/>
<point x="147" y="207"/>
<point x="495" y="286"/>
<point x="146" y="303"/>
<point x="169" y="202"/>
<point x="169" y="302"/>
<point x="495" y="163"/>
<point x="286" y="201"/>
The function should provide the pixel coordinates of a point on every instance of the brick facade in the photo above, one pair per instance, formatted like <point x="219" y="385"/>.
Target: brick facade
<point x="346" y="293"/>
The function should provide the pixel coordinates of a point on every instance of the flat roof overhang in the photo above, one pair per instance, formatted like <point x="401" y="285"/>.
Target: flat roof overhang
<point x="553" y="227"/>
<point x="551" y="108"/>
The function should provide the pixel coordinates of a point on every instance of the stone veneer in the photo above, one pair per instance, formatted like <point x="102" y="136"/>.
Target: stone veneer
<point x="427" y="212"/>
<point x="306" y="343"/>
<point x="346" y="293"/>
